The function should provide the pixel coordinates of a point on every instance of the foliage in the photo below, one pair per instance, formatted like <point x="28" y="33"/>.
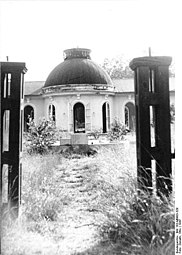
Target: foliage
<point x="117" y="68"/>
<point x="107" y="200"/>
<point x="172" y="113"/>
<point x="132" y="223"/>
<point x="78" y="151"/>
<point x="141" y="225"/>
<point x="41" y="136"/>
<point x="43" y="197"/>
<point x="117" y="131"/>
<point x="96" y="133"/>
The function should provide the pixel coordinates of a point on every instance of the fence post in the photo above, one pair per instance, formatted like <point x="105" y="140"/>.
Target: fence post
<point x="153" y="135"/>
<point x="11" y="90"/>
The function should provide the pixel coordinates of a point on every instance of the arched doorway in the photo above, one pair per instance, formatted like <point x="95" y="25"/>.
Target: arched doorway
<point x="28" y="113"/>
<point x="106" y="117"/>
<point x="79" y="118"/>
<point x="130" y="116"/>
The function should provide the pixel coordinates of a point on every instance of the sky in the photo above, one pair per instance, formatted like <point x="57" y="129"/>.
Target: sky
<point x="37" y="32"/>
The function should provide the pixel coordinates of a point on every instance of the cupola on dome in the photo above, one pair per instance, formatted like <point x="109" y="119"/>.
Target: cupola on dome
<point x="77" y="68"/>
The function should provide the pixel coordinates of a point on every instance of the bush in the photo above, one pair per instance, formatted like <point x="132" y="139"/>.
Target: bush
<point x="117" y="131"/>
<point x="41" y="136"/>
<point x="96" y="133"/>
<point x="78" y="151"/>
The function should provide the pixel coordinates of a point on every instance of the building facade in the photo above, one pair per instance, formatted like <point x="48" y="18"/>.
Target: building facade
<point x="80" y="96"/>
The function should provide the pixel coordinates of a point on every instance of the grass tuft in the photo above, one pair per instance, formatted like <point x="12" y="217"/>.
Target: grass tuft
<point x="105" y="198"/>
<point x="132" y="223"/>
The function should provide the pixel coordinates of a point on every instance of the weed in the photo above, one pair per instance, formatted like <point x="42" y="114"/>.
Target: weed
<point x="96" y="133"/>
<point x="42" y="195"/>
<point x="127" y="223"/>
<point x="134" y="224"/>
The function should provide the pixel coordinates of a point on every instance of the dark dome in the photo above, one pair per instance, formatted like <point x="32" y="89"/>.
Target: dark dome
<point x="77" y="68"/>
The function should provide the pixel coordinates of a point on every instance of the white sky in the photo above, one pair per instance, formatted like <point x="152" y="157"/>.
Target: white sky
<point x="37" y="32"/>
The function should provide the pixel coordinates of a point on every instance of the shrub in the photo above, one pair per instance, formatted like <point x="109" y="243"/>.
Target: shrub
<point x="78" y="151"/>
<point x="117" y="131"/>
<point x="41" y="136"/>
<point x="96" y="133"/>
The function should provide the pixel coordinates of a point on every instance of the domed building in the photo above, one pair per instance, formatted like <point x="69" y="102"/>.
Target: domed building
<point x="80" y="96"/>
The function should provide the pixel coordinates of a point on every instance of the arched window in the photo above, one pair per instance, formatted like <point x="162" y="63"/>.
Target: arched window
<point x="130" y="116"/>
<point x="79" y="118"/>
<point x="106" y="117"/>
<point x="52" y="112"/>
<point x="126" y="112"/>
<point x="28" y="113"/>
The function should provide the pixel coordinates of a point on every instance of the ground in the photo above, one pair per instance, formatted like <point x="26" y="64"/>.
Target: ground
<point x="67" y="200"/>
<point x="79" y="231"/>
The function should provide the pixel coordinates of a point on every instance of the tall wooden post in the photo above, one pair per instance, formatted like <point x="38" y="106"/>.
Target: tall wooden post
<point x="153" y="121"/>
<point x="11" y="89"/>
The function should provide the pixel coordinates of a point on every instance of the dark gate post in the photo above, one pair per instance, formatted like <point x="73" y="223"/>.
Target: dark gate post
<point x="153" y="122"/>
<point x="11" y="90"/>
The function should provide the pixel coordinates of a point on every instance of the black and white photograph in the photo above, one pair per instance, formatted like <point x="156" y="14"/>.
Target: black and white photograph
<point x="90" y="141"/>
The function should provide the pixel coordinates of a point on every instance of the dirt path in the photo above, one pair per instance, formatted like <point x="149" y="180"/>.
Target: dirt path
<point x="79" y="231"/>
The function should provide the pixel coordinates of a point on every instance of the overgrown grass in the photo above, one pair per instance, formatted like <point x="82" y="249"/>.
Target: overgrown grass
<point x="126" y="223"/>
<point x="133" y="224"/>
<point x="42" y="195"/>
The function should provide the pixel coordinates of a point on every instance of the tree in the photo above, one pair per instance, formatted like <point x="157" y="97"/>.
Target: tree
<point x="117" y="68"/>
